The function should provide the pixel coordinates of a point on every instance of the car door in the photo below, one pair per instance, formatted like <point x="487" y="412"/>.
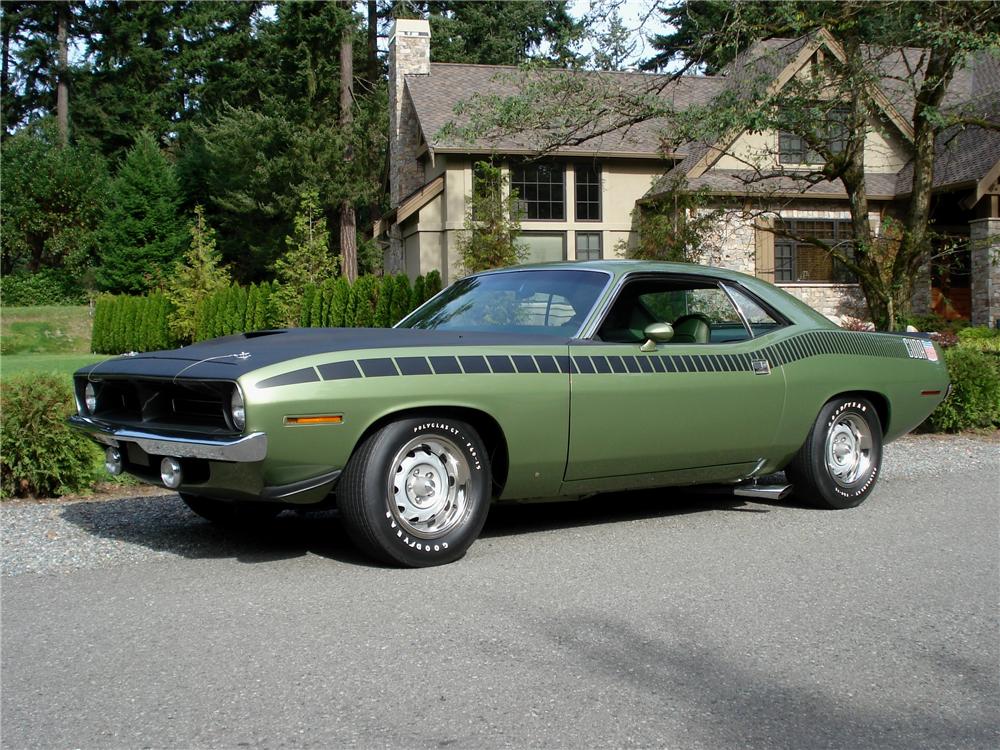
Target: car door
<point x="702" y="400"/>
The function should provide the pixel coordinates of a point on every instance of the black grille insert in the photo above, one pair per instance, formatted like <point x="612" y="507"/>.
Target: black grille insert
<point x="185" y="405"/>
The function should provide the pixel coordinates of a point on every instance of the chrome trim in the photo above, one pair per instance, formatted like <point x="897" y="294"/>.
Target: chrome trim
<point x="246" y="449"/>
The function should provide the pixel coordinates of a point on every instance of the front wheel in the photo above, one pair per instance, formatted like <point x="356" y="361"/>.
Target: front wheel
<point x="840" y="461"/>
<point x="416" y="492"/>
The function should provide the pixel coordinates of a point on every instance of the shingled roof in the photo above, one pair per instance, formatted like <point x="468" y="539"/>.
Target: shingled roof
<point x="436" y="96"/>
<point x="964" y="156"/>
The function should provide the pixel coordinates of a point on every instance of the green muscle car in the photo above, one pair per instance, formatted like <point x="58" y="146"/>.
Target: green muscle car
<point x="545" y="381"/>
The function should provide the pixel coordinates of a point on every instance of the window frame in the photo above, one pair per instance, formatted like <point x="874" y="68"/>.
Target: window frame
<point x="600" y="245"/>
<point x="599" y="174"/>
<point x="835" y="132"/>
<point x="547" y="233"/>
<point x="523" y="204"/>
<point x="600" y="314"/>
<point x="794" y="244"/>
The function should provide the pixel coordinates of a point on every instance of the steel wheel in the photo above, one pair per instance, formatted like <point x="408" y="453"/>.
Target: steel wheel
<point x="840" y="460"/>
<point x="848" y="449"/>
<point x="429" y="486"/>
<point x="416" y="491"/>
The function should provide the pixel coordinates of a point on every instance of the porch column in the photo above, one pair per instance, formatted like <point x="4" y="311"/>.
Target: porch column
<point x="984" y="240"/>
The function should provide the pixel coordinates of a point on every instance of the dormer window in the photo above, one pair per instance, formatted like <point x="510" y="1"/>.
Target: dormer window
<point x="794" y="149"/>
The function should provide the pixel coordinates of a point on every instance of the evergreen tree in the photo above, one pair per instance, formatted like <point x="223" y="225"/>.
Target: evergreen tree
<point x="432" y="284"/>
<point x="195" y="279"/>
<point x="339" y="303"/>
<point x="401" y="298"/>
<point x="364" y="295"/>
<point x="383" y="305"/>
<point x="308" y="260"/>
<point x="419" y="294"/>
<point x="503" y="33"/>
<point x="143" y="233"/>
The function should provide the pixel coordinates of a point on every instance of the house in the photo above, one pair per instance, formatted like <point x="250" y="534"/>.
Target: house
<point x="579" y="201"/>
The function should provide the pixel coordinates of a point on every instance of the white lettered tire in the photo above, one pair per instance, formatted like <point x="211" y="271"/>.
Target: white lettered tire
<point x="416" y="492"/>
<point x="840" y="462"/>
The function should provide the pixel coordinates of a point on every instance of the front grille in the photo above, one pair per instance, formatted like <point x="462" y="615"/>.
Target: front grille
<point x="188" y="406"/>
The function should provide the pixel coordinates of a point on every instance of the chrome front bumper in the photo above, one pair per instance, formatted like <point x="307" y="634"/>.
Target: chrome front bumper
<point x="246" y="449"/>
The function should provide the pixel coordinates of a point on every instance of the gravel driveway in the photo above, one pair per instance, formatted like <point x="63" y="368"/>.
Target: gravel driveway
<point x="57" y="537"/>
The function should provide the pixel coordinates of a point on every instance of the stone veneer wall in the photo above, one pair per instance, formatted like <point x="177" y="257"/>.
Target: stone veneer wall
<point x="984" y="237"/>
<point x="409" y="54"/>
<point x="835" y="301"/>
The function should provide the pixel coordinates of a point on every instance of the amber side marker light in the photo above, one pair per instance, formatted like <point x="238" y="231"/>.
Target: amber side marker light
<point x="930" y="393"/>
<point x="325" y="419"/>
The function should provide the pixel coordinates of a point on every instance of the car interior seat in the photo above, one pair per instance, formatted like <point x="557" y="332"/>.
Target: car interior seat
<point x="694" y="328"/>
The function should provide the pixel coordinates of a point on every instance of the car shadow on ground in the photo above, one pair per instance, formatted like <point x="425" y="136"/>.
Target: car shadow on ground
<point x="164" y="524"/>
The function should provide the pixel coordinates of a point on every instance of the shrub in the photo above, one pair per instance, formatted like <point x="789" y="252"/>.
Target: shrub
<point x="340" y="295"/>
<point x="124" y="324"/>
<point x="401" y="298"/>
<point x="40" y="455"/>
<point x="432" y="284"/>
<point x="981" y="339"/>
<point x="383" y="307"/>
<point x="975" y="395"/>
<point x="419" y="294"/>
<point x="936" y="323"/>
<point x="364" y="295"/>
<point x="44" y="287"/>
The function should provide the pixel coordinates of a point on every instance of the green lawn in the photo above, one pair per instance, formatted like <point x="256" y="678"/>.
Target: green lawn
<point x="45" y="330"/>
<point x="46" y="339"/>
<point x="60" y="364"/>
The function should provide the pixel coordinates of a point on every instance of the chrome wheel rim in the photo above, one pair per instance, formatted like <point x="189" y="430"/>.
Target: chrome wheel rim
<point x="429" y="486"/>
<point x="848" y="449"/>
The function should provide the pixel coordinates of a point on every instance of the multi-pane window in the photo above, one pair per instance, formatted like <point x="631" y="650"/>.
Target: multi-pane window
<point x="832" y="130"/>
<point x="588" y="191"/>
<point x="797" y="260"/>
<point x="541" y="190"/>
<point x="588" y="245"/>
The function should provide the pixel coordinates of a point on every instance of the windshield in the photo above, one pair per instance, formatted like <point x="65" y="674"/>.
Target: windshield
<point x="553" y="302"/>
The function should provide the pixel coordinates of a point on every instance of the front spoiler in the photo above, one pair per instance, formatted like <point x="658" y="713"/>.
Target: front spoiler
<point x="247" y="449"/>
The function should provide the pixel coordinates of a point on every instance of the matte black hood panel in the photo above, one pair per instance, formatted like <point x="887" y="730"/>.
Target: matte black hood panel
<point x="232" y="356"/>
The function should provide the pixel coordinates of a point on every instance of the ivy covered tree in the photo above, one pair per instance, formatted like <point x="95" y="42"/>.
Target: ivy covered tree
<point x="143" y="233"/>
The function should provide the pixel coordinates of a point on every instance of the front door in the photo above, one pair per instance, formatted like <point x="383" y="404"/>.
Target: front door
<point x="702" y="400"/>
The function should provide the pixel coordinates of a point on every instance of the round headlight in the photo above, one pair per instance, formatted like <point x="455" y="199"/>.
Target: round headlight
<point x="90" y="398"/>
<point x="237" y="410"/>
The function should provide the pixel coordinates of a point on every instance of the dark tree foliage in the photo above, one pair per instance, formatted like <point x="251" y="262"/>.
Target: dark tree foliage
<point x="30" y="49"/>
<point x="53" y="201"/>
<point x="500" y="33"/>
<point x="143" y="233"/>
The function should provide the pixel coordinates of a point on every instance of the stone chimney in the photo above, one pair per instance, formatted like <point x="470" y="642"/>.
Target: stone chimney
<point x="409" y="54"/>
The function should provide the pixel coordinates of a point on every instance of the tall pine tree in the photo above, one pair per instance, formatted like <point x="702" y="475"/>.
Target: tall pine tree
<point x="143" y="233"/>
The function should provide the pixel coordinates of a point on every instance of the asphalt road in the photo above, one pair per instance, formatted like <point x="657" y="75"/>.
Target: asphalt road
<point x="651" y="620"/>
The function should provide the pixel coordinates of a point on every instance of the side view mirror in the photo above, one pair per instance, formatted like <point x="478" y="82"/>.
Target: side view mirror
<point x="656" y="333"/>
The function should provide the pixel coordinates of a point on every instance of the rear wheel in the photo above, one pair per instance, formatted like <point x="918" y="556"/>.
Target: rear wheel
<point x="840" y="461"/>
<point x="416" y="492"/>
<point x="230" y="513"/>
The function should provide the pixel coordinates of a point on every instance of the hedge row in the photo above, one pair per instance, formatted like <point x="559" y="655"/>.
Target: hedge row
<point x="131" y="324"/>
<point x="123" y="324"/>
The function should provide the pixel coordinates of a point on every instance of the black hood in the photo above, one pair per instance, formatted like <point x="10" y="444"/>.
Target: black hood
<point x="230" y="357"/>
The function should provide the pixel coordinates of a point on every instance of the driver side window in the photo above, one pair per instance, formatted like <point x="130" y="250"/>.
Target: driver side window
<point x="698" y="309"/>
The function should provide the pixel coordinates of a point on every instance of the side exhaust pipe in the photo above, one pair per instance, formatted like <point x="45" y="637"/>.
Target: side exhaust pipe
<point x="764" y="491"/>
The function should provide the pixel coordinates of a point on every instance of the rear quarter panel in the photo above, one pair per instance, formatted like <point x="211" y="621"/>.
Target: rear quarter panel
<point x="821" y="364"/>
